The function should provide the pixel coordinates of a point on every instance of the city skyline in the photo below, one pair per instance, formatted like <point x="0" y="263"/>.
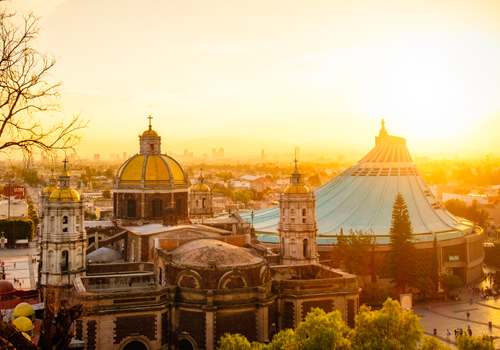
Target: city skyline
<point x="291" y="72"/>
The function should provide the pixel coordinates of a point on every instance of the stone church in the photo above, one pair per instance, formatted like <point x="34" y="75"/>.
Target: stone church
<point x="161" y="280"/>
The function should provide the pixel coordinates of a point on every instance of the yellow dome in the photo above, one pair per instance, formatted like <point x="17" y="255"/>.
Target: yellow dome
<point x="296" y="190"/>
<point x="201" y="188"/>
<point x="151" y="171"/>
<point x="64" y="195"/>
<point x="26" y="336"/>
<point x="150" y="132"/>
<point x="23" y="309"/>
<point x="49" y="189"/>
<point x="24" y="324"/>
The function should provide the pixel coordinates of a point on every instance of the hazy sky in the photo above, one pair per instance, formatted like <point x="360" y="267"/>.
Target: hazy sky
<point x="287" y="70"/>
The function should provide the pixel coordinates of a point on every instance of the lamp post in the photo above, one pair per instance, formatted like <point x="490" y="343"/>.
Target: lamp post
<point x="9" y="201"/>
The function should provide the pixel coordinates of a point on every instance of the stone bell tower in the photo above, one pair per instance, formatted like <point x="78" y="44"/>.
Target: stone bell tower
<point x="297" y="226"/>
<point x="200" y="199"/>
<point x="64" y="238"/>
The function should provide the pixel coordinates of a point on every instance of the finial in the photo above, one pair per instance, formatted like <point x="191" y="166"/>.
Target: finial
<point x="383" y="124"/>
<point x="295" y="160"/>
<point x="65" y="161"/>
<point x="150" y="117"/>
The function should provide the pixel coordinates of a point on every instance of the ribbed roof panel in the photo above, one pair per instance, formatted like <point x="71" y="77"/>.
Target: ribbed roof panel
<point x="362" y="197"/>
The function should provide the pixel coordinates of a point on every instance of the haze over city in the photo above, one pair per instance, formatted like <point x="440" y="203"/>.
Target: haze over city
<point x="285" y="71"/>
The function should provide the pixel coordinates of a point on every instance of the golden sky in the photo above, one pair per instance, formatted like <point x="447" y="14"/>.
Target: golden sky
<point x="288" y="70"/>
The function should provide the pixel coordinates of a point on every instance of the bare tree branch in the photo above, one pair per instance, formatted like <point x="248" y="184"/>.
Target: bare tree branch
<point x="27" y="95"/>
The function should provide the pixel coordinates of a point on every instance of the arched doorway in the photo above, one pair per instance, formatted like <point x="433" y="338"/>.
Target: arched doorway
<point x="185" y="344"/>
<point x="135" y="345"/>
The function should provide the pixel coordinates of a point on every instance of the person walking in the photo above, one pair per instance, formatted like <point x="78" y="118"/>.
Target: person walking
<point x="448" y="333"/>
<point x="468" y="314"/>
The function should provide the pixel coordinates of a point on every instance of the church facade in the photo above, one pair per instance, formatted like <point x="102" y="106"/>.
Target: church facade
<point x="161" y="282"/>
<point x="150" y="185"/>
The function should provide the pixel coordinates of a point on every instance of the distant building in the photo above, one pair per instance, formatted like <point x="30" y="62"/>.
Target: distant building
<point x="124" y="155"/>
<point x="72" y="158"/>
<point x="97" y="157"/>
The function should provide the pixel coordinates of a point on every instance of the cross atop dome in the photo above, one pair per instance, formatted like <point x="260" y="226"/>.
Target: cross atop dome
<point x="65" y="161"/>
<point x="150" y="117"/>
<point x="382" y="134"/>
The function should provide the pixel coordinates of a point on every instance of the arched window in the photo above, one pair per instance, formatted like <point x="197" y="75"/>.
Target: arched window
<point x="157" y="208"/>
<point x="65" y="220"/>
<point x="305" y="248"/>
<point x="292" y="215"/>
<point x="304" y="216"/>
<point x="204" y="203"/>
<point x="64" y="261"/>
<point x="160" y="275"/>
<point x="131" y="208"/>
<point x="151" y="147"/>
<point x="197" y="205"/>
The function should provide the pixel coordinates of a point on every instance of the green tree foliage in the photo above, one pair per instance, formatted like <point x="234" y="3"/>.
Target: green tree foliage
<point x="402" y="252"/>
<point x="372" y="294"/>
<point x="17" y="229"/>
<point x="472" y="212"/>
<point x="237" y="342"/>
<point x="217" y="188"/>
<point x="355" y="250"/>
<point x="243" y="196"/>
<point x="225" y="175"/>
<point x="484" y="342"/>
<point x="431" y="343"/>
<point x="387" y="328"/>
<point x="315" y="180"/>
<point x="321" y="331"/>
<point x="450" y="282"/>
<point x="90" y="216"/>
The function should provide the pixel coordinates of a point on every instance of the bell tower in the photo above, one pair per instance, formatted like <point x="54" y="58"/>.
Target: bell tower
<point x="64" y="238"/>
<point x="297" y="225"/>
<point x="200" y="199"/>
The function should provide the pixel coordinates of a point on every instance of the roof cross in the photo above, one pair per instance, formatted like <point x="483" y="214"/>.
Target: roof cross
<point x="150" y="117"/>
<point x="65" y="161"/>
<point x="383" y="124"/>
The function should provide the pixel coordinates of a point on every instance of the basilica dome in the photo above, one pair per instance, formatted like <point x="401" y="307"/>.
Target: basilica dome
<point x="64" y="195"/>
<point x="202" y="252"/>
<point x="151" y="170"/>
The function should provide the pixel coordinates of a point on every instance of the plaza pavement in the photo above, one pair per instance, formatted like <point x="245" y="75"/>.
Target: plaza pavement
<point x="17" y="264"/>
<point x="450" y="315"/>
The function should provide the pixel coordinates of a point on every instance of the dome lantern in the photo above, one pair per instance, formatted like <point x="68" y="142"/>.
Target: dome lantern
<point x="149" y="141"/>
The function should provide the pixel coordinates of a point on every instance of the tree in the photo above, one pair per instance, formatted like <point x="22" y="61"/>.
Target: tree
<point x="472" y="212"/>
<point x="27" y="97"/>
<point x="321" y="331"/>
<point x="450" y="282"/>
<point x="355" y="250"/>
<point x="387" y="328"/>
<point x="484" y="342"/>
<point x="236" y="342"/>
<point x="431" y="343"/>
<point x="401" y="249"/>
<point x="315" y="180"/>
